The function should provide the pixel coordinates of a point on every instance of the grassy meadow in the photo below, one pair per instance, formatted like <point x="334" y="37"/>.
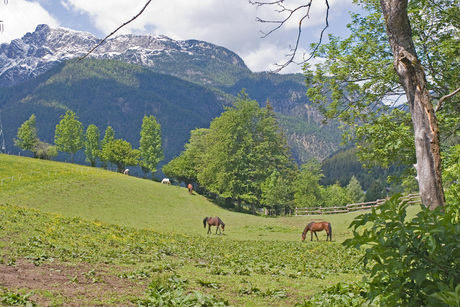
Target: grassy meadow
<point x="95" y="237"/>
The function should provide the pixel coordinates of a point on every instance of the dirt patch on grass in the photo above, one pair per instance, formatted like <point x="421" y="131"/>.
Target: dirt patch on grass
<point x="71" y="284"/>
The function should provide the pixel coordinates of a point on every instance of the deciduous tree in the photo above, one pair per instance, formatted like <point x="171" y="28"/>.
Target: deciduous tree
<point x="121" y="153"/>
<point x="379" y="60"/>
<point x="354" y="191"/>
<point x="27" y="137"/>
<point x="151" y="151"/>
<point x="186" y="167"/>
<point x="307" y="190"/>
<point x="244" y="147"/>
<point x="69" y="135"/>
<point x="109" y="136"/>
<point x="92" y="144"/>
<point x="390" y="54"/>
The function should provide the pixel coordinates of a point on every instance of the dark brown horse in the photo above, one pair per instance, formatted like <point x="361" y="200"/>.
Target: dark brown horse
<point x="318" y="226"/>
<point x="190" y="188"/>
<point x="214" y="221"/>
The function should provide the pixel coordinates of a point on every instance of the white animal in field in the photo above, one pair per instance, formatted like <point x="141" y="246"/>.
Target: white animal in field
<point x="126" y="172"/>
<point x="165" y="181"/>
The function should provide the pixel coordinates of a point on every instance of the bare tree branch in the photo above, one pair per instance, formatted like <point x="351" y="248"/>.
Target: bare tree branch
<point x="102" y="41"/>
<point x="438" y="107"/>
<point x="291" y="12"/>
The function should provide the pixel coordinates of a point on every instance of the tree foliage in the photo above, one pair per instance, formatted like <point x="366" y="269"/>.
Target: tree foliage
<point x="186" y="167"/>
<point x="109" y="136"/>
<point x="358" y="75"/>
<point x="69" y="135"/>
<point x="238" y="153"/>
<point x="45" y="151"/>
<point x="411" y="262"/>
<point x="151" y="151"/>
<point x="92" y="144"/>
<point x="307" y="192"/>
<point x="244" y="147"/>
<point x="120" y="153"/>
<point x="27" y="136"/>
<point x="354" y="191"/>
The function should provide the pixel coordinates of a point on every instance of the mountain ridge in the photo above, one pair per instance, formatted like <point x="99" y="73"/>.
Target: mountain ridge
<point x="217" y="73"/>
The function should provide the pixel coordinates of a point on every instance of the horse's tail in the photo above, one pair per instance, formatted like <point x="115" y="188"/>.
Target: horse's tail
<point x="204" y="221"/>
<point x="330" y="231"/>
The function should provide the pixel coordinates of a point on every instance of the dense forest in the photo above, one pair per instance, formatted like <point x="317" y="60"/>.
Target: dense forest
<point x="113" y="93"/>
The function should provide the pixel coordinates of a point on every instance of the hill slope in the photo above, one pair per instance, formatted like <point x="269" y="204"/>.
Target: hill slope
<point x="95" y="194"/>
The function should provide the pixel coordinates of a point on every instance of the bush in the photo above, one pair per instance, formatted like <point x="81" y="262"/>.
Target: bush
<point x="411" y="262"/>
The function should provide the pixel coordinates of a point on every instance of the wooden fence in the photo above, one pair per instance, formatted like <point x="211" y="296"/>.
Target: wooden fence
<point x="411" y="198"/>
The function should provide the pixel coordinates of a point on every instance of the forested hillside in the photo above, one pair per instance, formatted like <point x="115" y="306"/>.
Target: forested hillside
<point x="117" y="94"/>
<point x="110" y="93"/>
<point x="344" y="164"/>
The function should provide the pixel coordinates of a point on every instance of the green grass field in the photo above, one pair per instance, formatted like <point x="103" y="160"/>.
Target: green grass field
<point x="95" y="194"/>
<point x="137" y="234"/>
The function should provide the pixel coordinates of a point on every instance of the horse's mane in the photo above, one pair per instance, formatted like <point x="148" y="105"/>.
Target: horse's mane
<point x="307" y="228"/>
<point x="220" y="221"/>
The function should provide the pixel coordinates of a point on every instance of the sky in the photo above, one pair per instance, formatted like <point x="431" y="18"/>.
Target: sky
<point x="228" y="23"/>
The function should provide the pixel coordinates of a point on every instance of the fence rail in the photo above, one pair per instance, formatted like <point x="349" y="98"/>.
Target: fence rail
<point x="411" y="198"/>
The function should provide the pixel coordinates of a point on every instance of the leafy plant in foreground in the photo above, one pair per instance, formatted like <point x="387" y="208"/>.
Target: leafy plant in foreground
<point x="414" y="262"/>
<point x="9" y="298"/>
<point x="170" y="292"/>
<point x="339" y="295"/>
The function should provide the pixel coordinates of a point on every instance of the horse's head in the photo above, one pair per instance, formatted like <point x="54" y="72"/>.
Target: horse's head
<point x="304" y="234"/>
<point x="222" y="226"/>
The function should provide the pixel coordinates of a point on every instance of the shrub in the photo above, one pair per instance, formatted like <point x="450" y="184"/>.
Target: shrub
<point x="411" y="262"/>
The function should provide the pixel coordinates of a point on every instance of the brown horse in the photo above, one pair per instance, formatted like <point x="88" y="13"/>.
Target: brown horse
<point x="214" y="221"/>
<point x="190" y="188"/>
<point x="318" y="226"/>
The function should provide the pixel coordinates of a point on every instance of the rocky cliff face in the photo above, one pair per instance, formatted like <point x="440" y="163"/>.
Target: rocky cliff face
<point x="36" y="52"/>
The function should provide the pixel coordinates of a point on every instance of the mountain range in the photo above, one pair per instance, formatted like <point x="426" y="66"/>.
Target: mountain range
<point x="184" y="84"/>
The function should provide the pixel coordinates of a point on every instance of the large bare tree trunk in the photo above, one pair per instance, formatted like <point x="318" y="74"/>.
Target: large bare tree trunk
<point x="413" y="80"/>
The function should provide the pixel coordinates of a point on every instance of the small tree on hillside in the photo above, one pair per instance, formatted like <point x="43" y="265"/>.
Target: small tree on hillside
<point x="69" y="136"/>
<point x="151" y="151"/>
<point x="335" y="195"/>
<point x="109" y="136"/>
<point x="186" y="167"/>
<point x="120" y="153"/>
<point x="307" y="191"/>
<point x="354" y="190"/>
<point x="92" y="144"/>
<point x="27" y="137"/>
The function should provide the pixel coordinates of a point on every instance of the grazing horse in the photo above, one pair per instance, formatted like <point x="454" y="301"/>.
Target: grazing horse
<point x="126" y="172"/>
<point x="166" y="181"/>
<point x="190" y="188"/>
<point x="318" y="226"/>
<point x="214" y="221"/>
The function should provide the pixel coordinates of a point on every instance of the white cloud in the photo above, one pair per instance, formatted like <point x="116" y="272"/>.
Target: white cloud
<point x="20" y="16"/>
<point x="228" y="23"/>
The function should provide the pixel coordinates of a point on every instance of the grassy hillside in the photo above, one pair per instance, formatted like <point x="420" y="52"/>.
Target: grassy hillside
<point x="73" y="235"/>
<point x="95" y="194"/>
<point x="110" y="239"/>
